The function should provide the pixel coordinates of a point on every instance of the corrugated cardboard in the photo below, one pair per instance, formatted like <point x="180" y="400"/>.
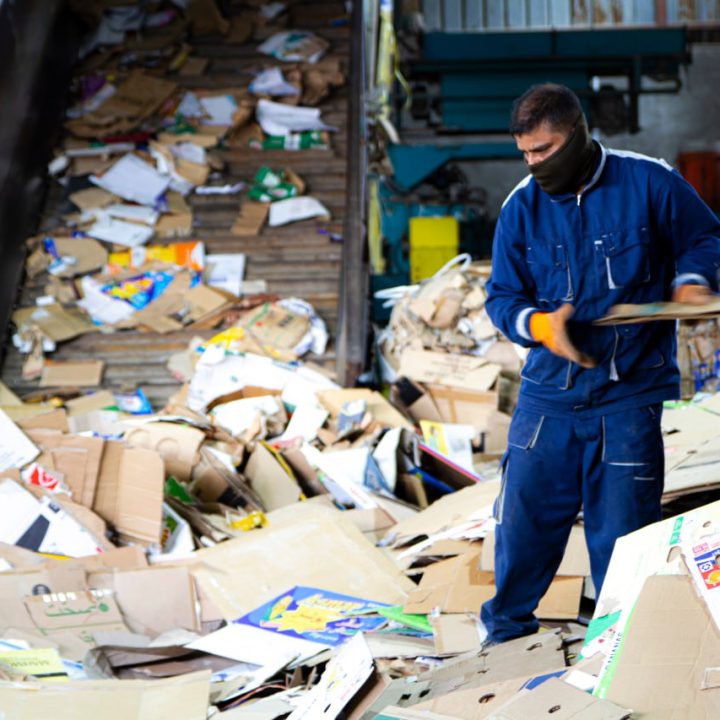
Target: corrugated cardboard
<point x="90" y="403"/>
<point x="455" y="633"/>
<point x="71" y="618"/>
<point x="650" y="551"/>
<point x="77" y="458"/>
<point x="75" y="373"/>
<point x="55" y="322"/>
<point x="555" y="698"/>
<point x="303" y="544"/>
<point x="55" y="419"/>
<point x="203" y="300"/>
<point x="669" y="642"/>
<point x="181" y="698"/>
<point x="130" y="492"/>
<point x="460" y="371"/>
<point x="450" y="510"/>
<point x="575" y="562"/>
<point x="179" y="445"/>
<point x="529" y="656"/>
<point x="251" y="219"/>
<point x="153" y="600"/>
<point x="381" y="410"/>
<point x="457" y="585"/>
<point x="274" y="485"/>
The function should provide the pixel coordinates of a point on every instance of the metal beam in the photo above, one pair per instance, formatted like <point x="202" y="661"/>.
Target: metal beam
<point x="353" y="312"/>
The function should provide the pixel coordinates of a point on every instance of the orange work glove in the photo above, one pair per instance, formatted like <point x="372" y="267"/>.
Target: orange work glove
<point x="550" y="329"/>
<point x="692" y="294"/>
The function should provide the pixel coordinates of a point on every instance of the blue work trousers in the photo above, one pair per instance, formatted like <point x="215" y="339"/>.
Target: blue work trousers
<point x="610" y="466"/>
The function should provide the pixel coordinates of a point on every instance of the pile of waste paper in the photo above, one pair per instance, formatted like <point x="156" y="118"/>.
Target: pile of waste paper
<point x="268" y="544"/>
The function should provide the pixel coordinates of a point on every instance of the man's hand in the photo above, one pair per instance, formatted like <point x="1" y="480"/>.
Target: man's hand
<point x="692" y="294"/>
<point x="550" y="329"/>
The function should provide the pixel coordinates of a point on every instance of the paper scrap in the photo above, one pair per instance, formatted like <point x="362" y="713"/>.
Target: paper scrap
<point x="133" y="179"/>
<point x="294" y="209"/>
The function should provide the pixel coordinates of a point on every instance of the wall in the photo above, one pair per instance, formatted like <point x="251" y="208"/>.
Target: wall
<point x="670" y="124"/>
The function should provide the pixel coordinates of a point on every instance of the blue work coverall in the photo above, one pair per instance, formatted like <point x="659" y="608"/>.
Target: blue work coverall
<point x="582" y="438"/>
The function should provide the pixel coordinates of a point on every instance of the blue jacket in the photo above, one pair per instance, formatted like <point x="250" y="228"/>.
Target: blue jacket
<point x="637" y="230"/>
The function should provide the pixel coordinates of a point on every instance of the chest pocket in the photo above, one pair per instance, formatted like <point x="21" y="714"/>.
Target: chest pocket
<point x="548" y="264"/>
<point x="626" y="255"/>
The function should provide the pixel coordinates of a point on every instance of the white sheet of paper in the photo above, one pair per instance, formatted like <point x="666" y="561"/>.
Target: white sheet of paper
<point x="229" y="189"/>
<point x="219" y="108"/>
<point x="134" y="213"/>
<point x="16" y="449"/>
<point x="344" y="675"/>
<point x="253" y="645"/>
<point x="225" y="271"/>
<point x="304" y="207"/>
<point x="190" y="106"/>
<point x="272" y="82"/>
<point x="133" y="179"/>
<point x="347" y="469"/>
<point x="238" y="415"/>
<point x="305" y="423"/>
<point x="20" y="510"/>
<point x="280" y="119"/>
<point x="190" y="152"/>
<point x="130" y="234"/>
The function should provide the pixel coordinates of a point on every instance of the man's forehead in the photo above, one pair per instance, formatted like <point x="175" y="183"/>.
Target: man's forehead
<point x="538" y="139"/>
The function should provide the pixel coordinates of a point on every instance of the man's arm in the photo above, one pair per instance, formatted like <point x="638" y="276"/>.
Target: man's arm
<point x="510" y="301"/>
<point x="694" y="233"/>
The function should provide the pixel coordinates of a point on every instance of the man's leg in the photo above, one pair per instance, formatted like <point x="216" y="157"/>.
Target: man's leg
<point x="623" y="477"/>
<point x="538" y="502"/>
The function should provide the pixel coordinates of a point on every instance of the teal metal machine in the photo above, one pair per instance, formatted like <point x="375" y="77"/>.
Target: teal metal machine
<point x="463" y="85"/>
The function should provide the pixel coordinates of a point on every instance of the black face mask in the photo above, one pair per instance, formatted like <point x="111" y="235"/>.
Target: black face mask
<point x="571" y="166"/>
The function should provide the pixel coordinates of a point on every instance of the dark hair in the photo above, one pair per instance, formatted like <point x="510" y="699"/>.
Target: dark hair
<point x="555" y="104"/>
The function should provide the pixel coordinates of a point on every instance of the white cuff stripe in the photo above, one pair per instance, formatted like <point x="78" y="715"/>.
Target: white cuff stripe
<point x="521" y="323"/>
<point x="690" y="279"/>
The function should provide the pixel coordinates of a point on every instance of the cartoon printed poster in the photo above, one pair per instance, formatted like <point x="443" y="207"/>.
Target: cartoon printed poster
<point x="316" y="615"/>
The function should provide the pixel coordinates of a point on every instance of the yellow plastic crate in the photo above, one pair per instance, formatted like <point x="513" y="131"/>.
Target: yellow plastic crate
<point x="433" y="241"/>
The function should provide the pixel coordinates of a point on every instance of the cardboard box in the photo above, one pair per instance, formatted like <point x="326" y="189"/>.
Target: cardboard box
<point x="181" y="698"/>
<point x="562" y="701"/>
<point x="130" y="492"/>
<point x="178" y="445"/>
<point x="316" y="547"/>
<point x="453" y="370"/>
<point x="271" y="478"/>
<point x="575" y="562"/>
<point x="668" y="646"/>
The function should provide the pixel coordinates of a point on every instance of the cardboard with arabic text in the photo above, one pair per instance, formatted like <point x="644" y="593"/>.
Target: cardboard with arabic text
<point x="71" y="618"/>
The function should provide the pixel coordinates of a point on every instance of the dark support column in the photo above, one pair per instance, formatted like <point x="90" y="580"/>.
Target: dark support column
<point x="353" y="311"/>
<point x="38" y="47"/>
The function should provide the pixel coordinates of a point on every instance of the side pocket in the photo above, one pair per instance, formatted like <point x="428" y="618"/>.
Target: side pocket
<point x="499" y="504"/>
<point x="525" y="429"/>
<point x="633" y="438"/>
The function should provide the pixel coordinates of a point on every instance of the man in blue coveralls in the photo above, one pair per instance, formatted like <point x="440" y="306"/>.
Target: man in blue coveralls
<point x="587" y="229"/>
